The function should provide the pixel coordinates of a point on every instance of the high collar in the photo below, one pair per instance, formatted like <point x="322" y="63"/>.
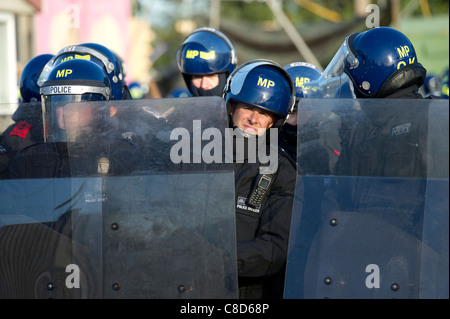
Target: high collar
<point x="410" y="92"/>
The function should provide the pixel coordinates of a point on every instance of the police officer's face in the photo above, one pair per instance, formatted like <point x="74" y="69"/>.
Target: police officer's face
<point x="205" y="82"/>
<point x="74" y="117"/>
<point x="60" y="117"/>
<point x="251" y="120"/>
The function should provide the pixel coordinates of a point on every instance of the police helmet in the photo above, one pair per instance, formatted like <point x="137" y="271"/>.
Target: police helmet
<point x="301" y="74"/>
<point x="28" y="85"/>
<point x="206" y="51"/>
<point x="263" y="84"/>
<point x="137" y="90"/>
<point x="378" y="61"/>
<point x="104" y="58"/>
<point x="177" y="92"/>
<point x="71" y="81"/>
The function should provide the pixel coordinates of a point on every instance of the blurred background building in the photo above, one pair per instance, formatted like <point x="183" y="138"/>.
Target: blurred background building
<point x="147" y="33"/>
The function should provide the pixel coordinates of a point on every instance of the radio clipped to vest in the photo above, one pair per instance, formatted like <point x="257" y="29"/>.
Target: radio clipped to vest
<point x="260" y="189"/>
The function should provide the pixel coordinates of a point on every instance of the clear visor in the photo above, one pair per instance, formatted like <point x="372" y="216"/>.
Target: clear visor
<point x="334" y="82"/>
<point x="337" y="87"/>
<point x="109" y="65"/>
<point x="45" y="72"/>
<point x="239" y="78"/>
<point x="343" y="57"/>
<point x="67" y="117"/>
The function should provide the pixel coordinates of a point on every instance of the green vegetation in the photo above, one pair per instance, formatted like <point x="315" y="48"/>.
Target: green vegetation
<point x="425" y="22"/>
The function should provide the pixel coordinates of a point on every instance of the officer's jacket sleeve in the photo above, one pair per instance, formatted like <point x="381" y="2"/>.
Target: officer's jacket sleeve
<point x="265" y="253"/>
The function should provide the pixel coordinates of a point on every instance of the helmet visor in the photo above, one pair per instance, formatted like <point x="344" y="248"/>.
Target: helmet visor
<point x="67" y="117"/>
<point x="259" y="85"/>
<point x="198" y="59"/>
<point x="83" y="52"/>
<point x="206" y="52"/>
<point x="337" y="87"/>
<point x="239" y="78"/>
<point x="43" y="76"/>
<point x="344" y="58"/>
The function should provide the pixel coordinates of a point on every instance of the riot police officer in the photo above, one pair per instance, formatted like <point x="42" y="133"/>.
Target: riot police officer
<point x="301" y="73"/>
<point x="380" y="62"/>
<point x="259" y="96"/>
<point x="206" y="58"/>
<point x="382" y="142"/>
<point x="27" y="128"/>
<point x="79" y="138"/>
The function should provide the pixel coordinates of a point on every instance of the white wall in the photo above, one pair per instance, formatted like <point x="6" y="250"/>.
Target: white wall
<point x="8" y="64"/>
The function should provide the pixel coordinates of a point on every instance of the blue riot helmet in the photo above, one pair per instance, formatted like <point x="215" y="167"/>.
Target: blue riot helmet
<point x="179" y="92"/>
<point x="206" y="51"/>
<point x="104" y="58"/>
<point x="28" y="85"/>
<point x="301" y="74"/>
<point x="74" y="80"/>
<point x="262" y="84"/>
<point x="378" y="61"/>
<point x="336" y="86"/>
<point x="138" y="91"/>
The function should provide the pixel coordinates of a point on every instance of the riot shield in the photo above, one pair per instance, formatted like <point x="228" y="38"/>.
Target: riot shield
<point x="372" y="221"/>
<point x="142" y="214"/>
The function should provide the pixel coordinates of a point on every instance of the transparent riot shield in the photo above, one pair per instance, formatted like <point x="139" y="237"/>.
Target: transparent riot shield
<point x="371" y="218"/>
<point x="142" y="214"/>
<point x="34" y="233"/>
